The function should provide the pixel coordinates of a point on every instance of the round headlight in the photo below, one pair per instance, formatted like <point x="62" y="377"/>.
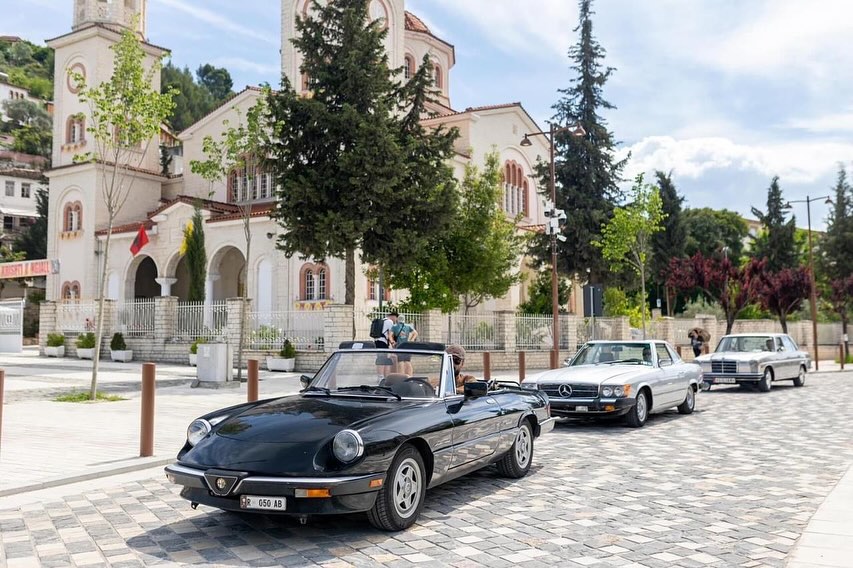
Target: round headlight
<point x="607" y="392"/>
<point x="347" y="446"/>
<point x="197" y="431"/>
<point x="618" y="391"/>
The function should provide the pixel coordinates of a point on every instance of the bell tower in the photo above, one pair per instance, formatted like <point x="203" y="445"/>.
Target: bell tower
<point x="110" y="12"/>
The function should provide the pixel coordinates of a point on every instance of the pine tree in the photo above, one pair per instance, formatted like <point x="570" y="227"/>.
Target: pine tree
<point x="836" y="246"/>
<point x="670" y="242"/>
<point x="587" y="171"/>
<point x="353" y="171"/>
<point x="776" y="242"/>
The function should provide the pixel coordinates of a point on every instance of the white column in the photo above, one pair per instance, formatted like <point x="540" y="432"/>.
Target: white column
<point x="166" y="286"/>
<point x="208" y="298"/>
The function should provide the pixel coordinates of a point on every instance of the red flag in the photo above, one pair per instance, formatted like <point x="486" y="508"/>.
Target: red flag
<point x="140" y="241"/>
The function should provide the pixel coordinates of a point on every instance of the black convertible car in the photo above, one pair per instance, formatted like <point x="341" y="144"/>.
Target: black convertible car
<point x="357" y="441"/>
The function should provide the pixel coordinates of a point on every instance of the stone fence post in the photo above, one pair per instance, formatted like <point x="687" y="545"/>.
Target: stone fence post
<point x="337" y="326"/>
<point x="165" y="318"/>
<point x="431" y="326"/>
<point x="234" y="307"/>
<point x="623" y="328"/>
<point x="505" y="332"/>
<point x="569" y="329"/>
<point x="47" y="323"/>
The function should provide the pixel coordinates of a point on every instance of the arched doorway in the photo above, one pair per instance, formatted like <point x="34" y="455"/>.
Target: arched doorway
<point x="181" y="288"/>
<point x="142" y="278"/>
<point x="227" y="274"/>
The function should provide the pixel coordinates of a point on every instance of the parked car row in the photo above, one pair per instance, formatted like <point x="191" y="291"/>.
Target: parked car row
<point x="360" y="439"/>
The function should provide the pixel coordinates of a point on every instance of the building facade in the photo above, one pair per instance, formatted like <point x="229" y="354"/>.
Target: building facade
<point x="164" y="204"/>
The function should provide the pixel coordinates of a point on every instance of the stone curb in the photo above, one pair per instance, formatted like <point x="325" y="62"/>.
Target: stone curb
<point x="143" y="463"/>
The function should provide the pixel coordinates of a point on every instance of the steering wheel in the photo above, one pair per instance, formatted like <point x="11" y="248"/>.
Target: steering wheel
<point x="423" y="382"/>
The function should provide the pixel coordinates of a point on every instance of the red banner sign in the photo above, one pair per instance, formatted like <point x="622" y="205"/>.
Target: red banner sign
<point x="28" y="268"/>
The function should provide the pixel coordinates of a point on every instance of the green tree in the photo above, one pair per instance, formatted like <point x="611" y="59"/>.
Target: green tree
<point x="478" y="258"/>
<point x="539" y="295"/>
<point x="216" y="80"/>
<point x="32" y="140"/>
<point x="193" y="100"/>
<point x="354" y="167"/>
<point x="240" y="147"/>
<point x="669" y="243"/>
<point x="836" y="247"/>
<point x="713" y="233"/>
<point x="627" y="238"/>
<point x="776" y="242"/>
<point x="195" y="254"/>
<point x="33" y="240"/>
<point x="125" y="115"/>
<point x="587" y="171"/>
<point x="24" y="112"/>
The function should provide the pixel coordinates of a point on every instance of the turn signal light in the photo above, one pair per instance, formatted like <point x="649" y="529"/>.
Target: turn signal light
<point x="313" y="493"/>
<point x="375" y="483"/>
<point x="609" y="408"/>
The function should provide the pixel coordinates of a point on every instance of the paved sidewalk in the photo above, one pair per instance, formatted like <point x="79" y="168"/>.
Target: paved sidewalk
<point x="827" y="541"/>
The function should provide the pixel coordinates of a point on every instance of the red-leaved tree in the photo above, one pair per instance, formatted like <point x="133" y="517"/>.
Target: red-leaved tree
<point x="782" y="293"/>
<point x="841" y="299"/>
<point x="719" y="280"/>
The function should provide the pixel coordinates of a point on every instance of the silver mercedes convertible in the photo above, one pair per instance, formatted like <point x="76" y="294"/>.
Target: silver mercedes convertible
<point x="629" y="379"/>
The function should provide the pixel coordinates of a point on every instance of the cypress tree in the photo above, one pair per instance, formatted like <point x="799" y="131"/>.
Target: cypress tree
<point x="668" y="243"/>
<point x="196" y="257"/>
<point x="836" y="260"/>
<point x="587" y="172"/>
<point x="777" y="242"/>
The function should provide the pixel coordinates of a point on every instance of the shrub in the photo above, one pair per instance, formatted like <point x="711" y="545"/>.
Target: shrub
<point x="117" y="343"/>
<point x="196" y="343"/>
<point x="86" y="341"/>
<point x="55" y="340"/>
<point x="288" y="351"/>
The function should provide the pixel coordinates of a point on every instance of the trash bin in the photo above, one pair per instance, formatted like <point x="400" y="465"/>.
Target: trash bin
<point x="214" y="363"/>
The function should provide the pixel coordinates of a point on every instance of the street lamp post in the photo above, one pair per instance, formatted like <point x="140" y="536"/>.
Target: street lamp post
<point x="813" y="296"/>
<point x="554" y="215"/>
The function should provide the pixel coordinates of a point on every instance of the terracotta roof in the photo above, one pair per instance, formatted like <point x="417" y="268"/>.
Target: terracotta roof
<point x="258" y="210"/>
<point x="415" y="24"/>
<point x="216" y="207"/>
<point x="21" y="158"/>
<point x="128" y="228"/>
<point x="533" y="228"/>
<point x="476" y="109"/>
<point x="114" y="29"/>
<point x="23" y="173"/>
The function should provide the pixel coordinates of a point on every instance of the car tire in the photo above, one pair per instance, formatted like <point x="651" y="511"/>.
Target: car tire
<point x="639" y="413"/>
<point x="517" y="461"/>
<point x="689" y="404"/>
<point x="766" y="382"/>
<point x="399" y="502"/>
<point x="800" y="379"/>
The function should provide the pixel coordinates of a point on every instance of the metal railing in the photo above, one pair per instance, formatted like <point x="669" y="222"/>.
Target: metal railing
<point x="269" y="330"/>
<point x="475" y="333"/>
<point x="195" y="320"/>
<point x="76" y="317"/>
<point x="364" y="319"/>
<point x="534" y="332"/>
<point x="135" y="318"/>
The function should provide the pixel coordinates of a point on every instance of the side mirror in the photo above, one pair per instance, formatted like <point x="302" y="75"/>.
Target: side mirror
<point x="306" y="381"/>
<point x="476" y="389"/>
<point x="665" y="362"/>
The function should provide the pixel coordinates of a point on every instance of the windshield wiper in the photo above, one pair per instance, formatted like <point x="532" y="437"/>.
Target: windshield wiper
<point x="323" y="390"/>
<point x="367" y="388"/>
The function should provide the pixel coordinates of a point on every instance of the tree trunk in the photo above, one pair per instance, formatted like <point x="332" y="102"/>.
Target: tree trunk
<point x="644" y="302"/>
<point x="844" y="322"/>
<point x="349" y="297"/>
<point x="730" y="322"/>
<point x="99" y="333"/>
<point x="783" y="320"/>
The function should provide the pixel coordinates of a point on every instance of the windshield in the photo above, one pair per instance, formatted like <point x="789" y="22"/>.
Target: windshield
<point x="380" y="373"/>
<point x="750" y="344"/>
<point x="611" y="353"/>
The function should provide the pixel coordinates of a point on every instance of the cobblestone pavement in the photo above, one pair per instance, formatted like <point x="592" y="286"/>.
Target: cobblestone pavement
<point x="732" y="485"/>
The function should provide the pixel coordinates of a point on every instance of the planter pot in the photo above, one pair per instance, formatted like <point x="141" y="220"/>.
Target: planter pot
<point x="86" y="353"/>
<point x="193" y="360"/>
<point x="276" y="364"/>
<point x="55" y="351"/>
<point x="121" y="356"/>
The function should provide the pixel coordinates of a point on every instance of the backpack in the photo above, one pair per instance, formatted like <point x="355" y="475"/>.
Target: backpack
<point x="376" y="328"/>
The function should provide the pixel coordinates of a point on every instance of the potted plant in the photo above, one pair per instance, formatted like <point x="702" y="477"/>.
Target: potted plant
<point x="286" y="359"/>
<point x="118" y="349"/>
<point x="194" y="350"/>
<point x="55" y="345"/>
<point x="86" y="345"/>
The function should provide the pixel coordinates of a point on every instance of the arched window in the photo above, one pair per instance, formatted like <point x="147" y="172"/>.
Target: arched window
<point x="410" y="68"/>
<point x="525" y="199"/>
<point x="75" y="130"/>
<point x="314" y="282"/>
<point x="516" y="190"/>
<point x="70" y="291"/>
<point x="321" y="284"/>
<point x="436" y="70"/>
<point x="72" y="217"/>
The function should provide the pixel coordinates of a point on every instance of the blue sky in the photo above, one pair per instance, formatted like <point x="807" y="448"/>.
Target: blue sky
<point x="725" y="93"/>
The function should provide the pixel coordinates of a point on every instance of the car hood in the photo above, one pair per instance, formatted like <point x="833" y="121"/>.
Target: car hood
<point x="591" y="374"/>
<point x="286" y="436"/>
<point x="733" y="356"/>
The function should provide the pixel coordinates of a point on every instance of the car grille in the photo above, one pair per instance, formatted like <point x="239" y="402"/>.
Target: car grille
<point x="578" y="391"/>
<point x="724" y="366"/>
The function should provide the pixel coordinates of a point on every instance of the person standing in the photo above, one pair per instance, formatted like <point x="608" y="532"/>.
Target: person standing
<point x="386" y="341"/>
<point x="403" y="333"/>
<point x="696" y="343"/>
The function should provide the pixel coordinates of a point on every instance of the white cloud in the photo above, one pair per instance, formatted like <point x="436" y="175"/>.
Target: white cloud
<point x="835" y="122"/>
<point x="796" y="162"/>
<point x="219" y="22"/>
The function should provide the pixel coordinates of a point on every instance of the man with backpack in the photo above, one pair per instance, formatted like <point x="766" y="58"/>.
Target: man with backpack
<point x="380" y="332"/>
<point x="403" y="333"/>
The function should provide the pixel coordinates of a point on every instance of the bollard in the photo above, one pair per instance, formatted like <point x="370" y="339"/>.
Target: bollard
<point x="522" y="372"/>
<point x="555" y="357"/>
<point x="2" y="387"/>
<point x="840" y="358"/>
<point x="252" y="387"/>
<point x="487" y="365"/>
<point x="146" y="432"/>
<point x="678" y="350"/>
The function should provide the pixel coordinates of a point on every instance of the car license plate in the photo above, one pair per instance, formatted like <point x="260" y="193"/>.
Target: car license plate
<point x="725" y="381"/>
<point x="263" y="503"/>
<point x="581" y="409"/>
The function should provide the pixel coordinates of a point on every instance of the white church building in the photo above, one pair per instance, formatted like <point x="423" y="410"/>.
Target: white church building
<point x="164" y="204"/>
